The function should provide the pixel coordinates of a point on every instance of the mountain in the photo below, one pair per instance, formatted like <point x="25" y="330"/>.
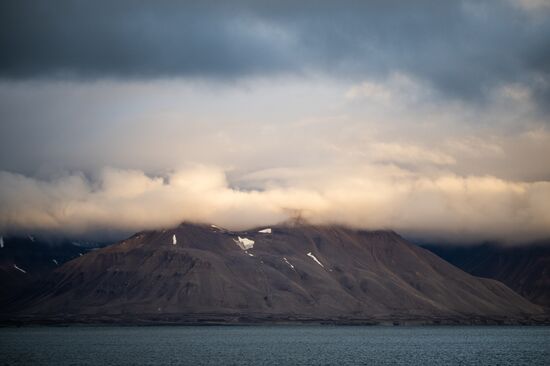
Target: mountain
<point x="25" y="259"/>
<point x="199" y="273"/>
<point x="524" y="268"/>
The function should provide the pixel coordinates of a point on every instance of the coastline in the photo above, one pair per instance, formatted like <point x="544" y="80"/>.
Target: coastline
<point x="206" y="319"/>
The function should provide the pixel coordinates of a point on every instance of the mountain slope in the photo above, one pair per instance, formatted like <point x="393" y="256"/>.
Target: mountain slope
<point x="26" y="259"/>
<point x="525" y="269"/>
<point x="287" y="272"/>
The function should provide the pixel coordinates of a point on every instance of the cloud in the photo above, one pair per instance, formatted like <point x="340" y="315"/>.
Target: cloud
<point x="531" y="5"/>
<point x="157" y="126"/>
<point x="462" y="48"/>
<point x="373" y="197"/>
<point x="137" y="39"/>
<point x="407" y="153"/>
<point x="257" y="152"/>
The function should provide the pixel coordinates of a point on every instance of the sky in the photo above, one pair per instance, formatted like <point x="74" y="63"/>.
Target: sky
<point x="430" y="118"/>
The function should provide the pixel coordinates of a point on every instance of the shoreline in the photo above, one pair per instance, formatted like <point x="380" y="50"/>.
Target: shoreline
<point x="247" y="320"/>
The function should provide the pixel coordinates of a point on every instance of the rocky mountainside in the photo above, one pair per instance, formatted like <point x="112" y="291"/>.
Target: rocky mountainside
<point x="524" y="268"/>
<point x="25" y="259"/>
<point x="201" y="273"/>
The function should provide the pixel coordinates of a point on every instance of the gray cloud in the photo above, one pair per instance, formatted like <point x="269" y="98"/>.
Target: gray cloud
<point x="156" y="126"/>
<point x="134" y="39"/>
<point x="463" y="48"/>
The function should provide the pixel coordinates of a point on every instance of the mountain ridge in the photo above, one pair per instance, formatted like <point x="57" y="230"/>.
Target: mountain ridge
<point x="307" y="272"/>
<point x="524" y="268"/>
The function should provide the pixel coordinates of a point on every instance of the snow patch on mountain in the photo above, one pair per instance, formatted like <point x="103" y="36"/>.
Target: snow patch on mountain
<point x="315" y="259"/>
<point x="174" y="239"/>
<point x="19" y="269"/>
<point x="287" y="262"/>
<point x="244" y="243"/>
<point x="265" y="231"/>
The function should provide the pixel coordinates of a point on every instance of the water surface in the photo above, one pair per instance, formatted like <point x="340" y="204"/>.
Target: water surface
<point x="275" y="345"/>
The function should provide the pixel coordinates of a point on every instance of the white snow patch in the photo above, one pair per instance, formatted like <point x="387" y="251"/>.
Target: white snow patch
<point x="265" y="231"/>
<point x="174" y="240"/>
<point x="244" y="243"/>
<point x="31" y="238"/>
<point x="216" y="227"/>
<point x="250" y="254"/>
<point x="53" y="260"/>
<point x="315" y="259"/>
<point x="1" y="241"/>
<point x="80" y="254"/>
<point x="287" y="262"/>
<point x="19" y="269"/>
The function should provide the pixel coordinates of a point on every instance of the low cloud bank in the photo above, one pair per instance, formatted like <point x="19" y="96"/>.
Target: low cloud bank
<point x="444" y="206"/>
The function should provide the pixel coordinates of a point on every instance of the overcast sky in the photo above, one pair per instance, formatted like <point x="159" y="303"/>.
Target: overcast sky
<point x="426" y="117"/>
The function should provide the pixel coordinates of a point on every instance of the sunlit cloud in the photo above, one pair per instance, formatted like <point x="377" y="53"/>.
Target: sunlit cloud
<point x="124" y="201"/>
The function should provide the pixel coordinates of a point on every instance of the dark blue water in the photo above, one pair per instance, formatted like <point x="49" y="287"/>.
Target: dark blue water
<point x="275" y="345"/>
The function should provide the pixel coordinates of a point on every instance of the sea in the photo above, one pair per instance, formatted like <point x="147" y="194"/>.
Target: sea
<point x="275" y="345"/>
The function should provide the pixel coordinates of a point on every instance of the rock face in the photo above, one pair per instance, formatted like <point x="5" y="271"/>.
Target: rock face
<point x="25" y="259"/>
<point x="288" y="272"/>
<point x="524" y="268"/>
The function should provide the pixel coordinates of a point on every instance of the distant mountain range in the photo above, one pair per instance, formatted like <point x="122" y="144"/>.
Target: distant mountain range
<point x="25" y="259"/>
<point x="294" y="272"/>
<point x="524" y="268"/>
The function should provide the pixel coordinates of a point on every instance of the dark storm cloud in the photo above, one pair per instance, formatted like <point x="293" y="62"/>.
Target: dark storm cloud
<point x="128" y="39"/>
<point x="462" y="48"/>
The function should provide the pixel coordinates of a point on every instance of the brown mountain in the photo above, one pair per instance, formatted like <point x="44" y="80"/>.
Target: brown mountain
<point x="524" y="268"/>
<point x="195" y="273"/>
